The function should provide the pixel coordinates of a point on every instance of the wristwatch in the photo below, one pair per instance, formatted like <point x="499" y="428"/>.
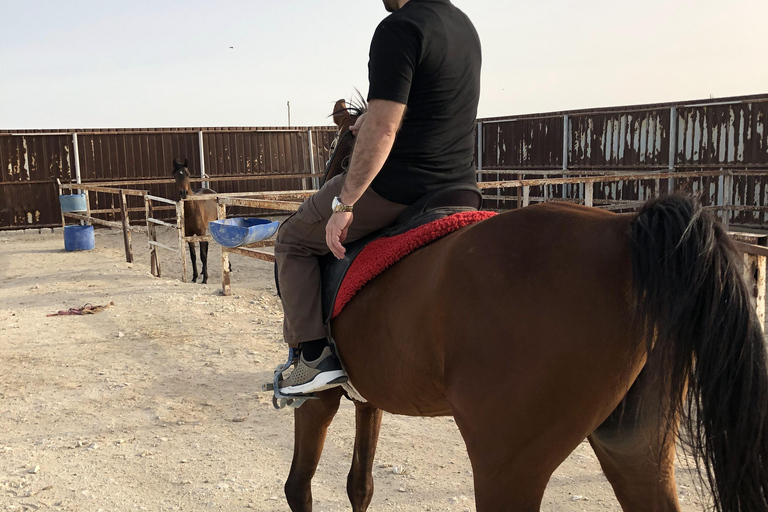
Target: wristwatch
<point x="338" y="206"/>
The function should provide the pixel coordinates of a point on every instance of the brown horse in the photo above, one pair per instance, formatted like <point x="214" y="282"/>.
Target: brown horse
<point x="543" y="326"/>
<point x="197" y="215"/>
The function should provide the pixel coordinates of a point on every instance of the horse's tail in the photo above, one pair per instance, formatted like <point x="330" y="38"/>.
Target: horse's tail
<point x="703" y="336"/>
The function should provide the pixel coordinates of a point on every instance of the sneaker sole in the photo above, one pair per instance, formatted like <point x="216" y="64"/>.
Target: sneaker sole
<point x="321" y="382"/>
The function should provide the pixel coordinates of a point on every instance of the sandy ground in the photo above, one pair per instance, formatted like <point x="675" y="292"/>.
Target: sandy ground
<point x="154" y="404"/>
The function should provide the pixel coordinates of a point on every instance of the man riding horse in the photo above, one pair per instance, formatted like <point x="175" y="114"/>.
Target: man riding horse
<point x="416" y="137"/>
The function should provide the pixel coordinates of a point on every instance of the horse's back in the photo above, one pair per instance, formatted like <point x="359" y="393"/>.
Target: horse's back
<point x="506" y="295"/>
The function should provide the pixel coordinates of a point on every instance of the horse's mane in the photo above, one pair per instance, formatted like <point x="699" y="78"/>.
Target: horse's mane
<point x="357" y="106"/>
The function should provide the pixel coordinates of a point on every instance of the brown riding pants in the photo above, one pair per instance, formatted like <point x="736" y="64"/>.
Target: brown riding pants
<point x="301" y="239"/>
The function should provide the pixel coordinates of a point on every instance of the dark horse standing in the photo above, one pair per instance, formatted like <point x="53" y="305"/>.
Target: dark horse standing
<point x="197" y="215"/>
<point x="543" y="326"/>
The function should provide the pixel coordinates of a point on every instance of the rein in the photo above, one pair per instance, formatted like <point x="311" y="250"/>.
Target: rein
<point x="337" y="141"/>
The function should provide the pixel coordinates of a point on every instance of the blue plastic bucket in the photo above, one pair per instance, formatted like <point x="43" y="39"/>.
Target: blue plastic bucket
<point x="79" y="238"/>
<point x="240" y="231"/>
<point x="73" y="203"/>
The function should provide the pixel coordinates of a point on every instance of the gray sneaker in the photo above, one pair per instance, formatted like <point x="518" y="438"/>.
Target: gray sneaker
<point x="310" y="376"/>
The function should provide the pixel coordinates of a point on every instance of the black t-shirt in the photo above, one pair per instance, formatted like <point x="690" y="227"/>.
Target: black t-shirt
<point x="427" y="56"/>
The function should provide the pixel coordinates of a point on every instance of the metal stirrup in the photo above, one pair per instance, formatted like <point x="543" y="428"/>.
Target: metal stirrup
<point x="279" y="400"/>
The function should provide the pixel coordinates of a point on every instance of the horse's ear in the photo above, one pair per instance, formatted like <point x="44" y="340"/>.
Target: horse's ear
<point x="186" y="162"/>
<point x="176" y="163"/>
<point x="340" y="113"/>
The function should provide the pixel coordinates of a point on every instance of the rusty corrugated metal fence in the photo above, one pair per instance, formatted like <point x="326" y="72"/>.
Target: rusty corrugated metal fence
<point x="716" y="134"/>
<point x="32" y="160"/>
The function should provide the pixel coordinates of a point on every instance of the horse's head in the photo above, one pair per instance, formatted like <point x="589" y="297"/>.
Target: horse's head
<point x="344" y="116"/>
<point x="341" y="148"/>
<point x="181" y="175"/>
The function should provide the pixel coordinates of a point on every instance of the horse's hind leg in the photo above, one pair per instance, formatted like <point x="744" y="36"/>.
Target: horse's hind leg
<point x="204" y="260"/>
<point x="360" y="479"/>
<point x="193" y="257"/>
<point x="636" y="459"/>
<point x="311" y="424"/>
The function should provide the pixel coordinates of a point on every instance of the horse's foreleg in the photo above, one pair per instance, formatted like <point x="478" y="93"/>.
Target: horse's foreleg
<point x="193" y="256"/>
<point x="311" y="424"/>
<point x="204" y="260"/>
<point x="360" y="479"/>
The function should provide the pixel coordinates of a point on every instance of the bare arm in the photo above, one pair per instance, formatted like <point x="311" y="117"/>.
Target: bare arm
<point x="374" y="142"/>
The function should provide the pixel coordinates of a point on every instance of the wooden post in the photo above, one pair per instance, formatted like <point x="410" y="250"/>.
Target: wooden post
<point x="589" y="191"/>
<point x="87" y="205"/>
<point x="226" y="282"/>
<point x="181" y="232"/>
<point x="126" y="228"/>
<point x="61" y="193"/>
<point x="755" y="275"/>
<point x="154" y="264"/>
<point x="526" y="196"/>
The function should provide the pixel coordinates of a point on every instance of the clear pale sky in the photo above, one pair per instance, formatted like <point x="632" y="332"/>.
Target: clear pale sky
<point x="161" y="63"/>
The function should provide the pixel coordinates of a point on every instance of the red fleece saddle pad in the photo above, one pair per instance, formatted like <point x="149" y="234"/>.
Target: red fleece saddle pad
<point x="382" y="253"/>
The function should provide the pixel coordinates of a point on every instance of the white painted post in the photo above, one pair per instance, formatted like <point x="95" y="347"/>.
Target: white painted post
<point x="727" y="192"/>
<point x="204" y="184"/>
<point x="479" y="151"/>
<point x="77" y="174"/>
<point x="566" y="148"/>
<point x="672" y="147"/>
<point x="77" y="160"/>
<point x="566" y="144"/>
<point x="526" y="196"/>
<point x="314" y="180"/>
<point x="480" y="157"/>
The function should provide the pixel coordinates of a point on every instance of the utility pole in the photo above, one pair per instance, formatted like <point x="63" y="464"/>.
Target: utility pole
<point x="289" y="114"/>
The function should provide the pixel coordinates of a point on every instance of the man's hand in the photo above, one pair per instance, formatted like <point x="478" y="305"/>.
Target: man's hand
<point x="336" y="232"/>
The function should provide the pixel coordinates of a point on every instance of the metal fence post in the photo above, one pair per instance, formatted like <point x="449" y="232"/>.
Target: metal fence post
<point x="672" y="147"/>
<point x="204" y="184"/>
<point x="566" y="147"/>
<point x="727" y="181"/>
<point x="77" y="160"/>
<point x="314" y="180"/>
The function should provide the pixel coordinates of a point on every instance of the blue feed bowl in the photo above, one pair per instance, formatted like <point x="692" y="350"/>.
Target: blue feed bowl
<point x="73" y="203"/>
<point x="79" y="238"/>
<point x="242" y="231"/>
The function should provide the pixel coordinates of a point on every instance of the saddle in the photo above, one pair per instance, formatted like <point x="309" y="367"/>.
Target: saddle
<point x="431" y="207"/>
